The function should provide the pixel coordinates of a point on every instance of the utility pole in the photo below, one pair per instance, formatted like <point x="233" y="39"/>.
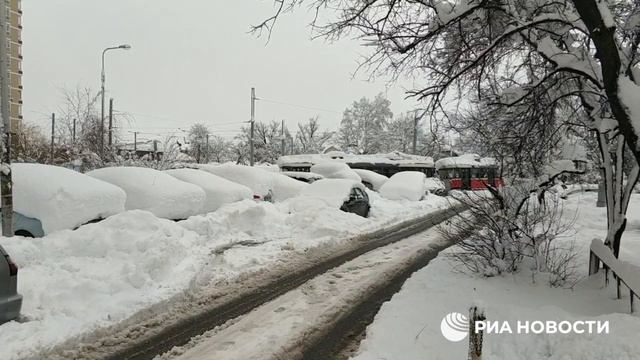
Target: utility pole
<point x="73" y="138"/>
<point x="282" y="136"/>
<point x="206" y="154"/>
<point x="415" y="133"/>
<point x="53" y="134"/>
<point x="135" y="143"/>
<point x="253" y="118"/>
<point x="110" y="122"/>
<point x="6" y="184"/>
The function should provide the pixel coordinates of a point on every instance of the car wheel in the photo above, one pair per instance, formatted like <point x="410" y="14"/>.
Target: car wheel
<point x="23" y="233"/>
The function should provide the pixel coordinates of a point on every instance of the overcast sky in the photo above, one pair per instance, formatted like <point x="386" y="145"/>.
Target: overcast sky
<point x="191" y="61"/>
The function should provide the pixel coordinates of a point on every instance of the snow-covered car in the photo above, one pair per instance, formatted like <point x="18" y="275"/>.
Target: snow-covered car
<point x="335" y="170"/>
<point x="371" y="179"/>
<point x="307" y="177"/>
<point x="218" y="191"/>
<point x="266" y="185"/>
<point x="48" y="198"/>
<point x="435" y="186"/>
<point x="346" y="194"/>
<point x="407" y="185"/>
<point x="154" y="191"/>
<point x="10" y="300"/>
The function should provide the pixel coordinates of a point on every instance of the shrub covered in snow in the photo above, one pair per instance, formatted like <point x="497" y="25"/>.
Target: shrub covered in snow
<point x="405" y="185"/>
<point x="219" y="191"/>
<point x="154" y="191"/>
<point x="335" y="170"/>
<point x="61" y="198"/>
<point x="506" y="229"/>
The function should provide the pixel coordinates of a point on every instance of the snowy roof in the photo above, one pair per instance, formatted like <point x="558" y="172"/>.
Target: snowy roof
<point x="335" y="170"/>
<point x="393" y="158"/>
<point x="61" y="198"/>
<point x="465" y="161"/>
<point x="154" y="191"/>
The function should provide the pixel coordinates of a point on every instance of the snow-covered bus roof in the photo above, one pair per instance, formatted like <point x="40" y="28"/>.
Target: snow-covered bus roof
<point x="393" y="158"/>
<point x="465" y="161"/>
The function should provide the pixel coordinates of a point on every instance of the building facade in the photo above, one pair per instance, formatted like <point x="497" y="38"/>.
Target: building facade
<point x="14" y="44"/>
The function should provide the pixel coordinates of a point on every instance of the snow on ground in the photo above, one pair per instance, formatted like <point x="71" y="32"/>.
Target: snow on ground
<point x="408" y="327"/>
<point x="276" y="329"/>
<point x="75" y="282"/>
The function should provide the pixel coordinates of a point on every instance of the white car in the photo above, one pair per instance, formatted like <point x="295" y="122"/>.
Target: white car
<point x="154" y="191"/>
<point x="371" y="179"/>
<point x="48" y="198"/>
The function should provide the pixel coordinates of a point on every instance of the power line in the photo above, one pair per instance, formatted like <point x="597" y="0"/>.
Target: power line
<point x="298" y="106"/>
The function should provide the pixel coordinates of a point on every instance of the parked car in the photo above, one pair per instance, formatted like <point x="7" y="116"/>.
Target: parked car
<point x="218" y="191"/>
<point x="154" y="191"/>
<point x="410" y="185"/>
<point x="335" y="170"/>
<point x="266" y="185"/>
<point x="307" y="177"/>
<point x="348" y="195"/>
<point x="371" y="179"/>
<point x="48" y="198"/>
<point x="10" y="300"/>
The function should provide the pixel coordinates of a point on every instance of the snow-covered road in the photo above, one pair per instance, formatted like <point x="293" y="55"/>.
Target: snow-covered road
<point x="280" y="328"/>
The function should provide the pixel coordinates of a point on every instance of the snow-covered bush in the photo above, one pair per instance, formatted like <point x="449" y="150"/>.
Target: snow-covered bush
<point x="511" y="229"/>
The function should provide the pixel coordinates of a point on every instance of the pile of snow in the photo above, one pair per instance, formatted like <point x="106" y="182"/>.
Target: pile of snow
<point x="154" y="191"/>
<point x="219" y="191"/>
<point x="405" y="185"/>
<point x="335" y="170"/>
<point x="376" y="180"/>
<point x="61" y="198"/>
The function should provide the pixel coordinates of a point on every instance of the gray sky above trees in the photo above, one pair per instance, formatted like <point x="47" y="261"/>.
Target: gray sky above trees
<point x="192" y="61"/>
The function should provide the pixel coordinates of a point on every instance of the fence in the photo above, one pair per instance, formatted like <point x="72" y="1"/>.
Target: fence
<point x="622" y="273"/>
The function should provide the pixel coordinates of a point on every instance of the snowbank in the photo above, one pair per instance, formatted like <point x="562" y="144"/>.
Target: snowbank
<point x="154" y="191"/>
<point x="405" y="185"/>
<point x="376" y="180"/>
<point x="61" y="198"/>
<point x="219" y="191"/>
<point x="335" y="170"/>
<point x="258" y="180"/>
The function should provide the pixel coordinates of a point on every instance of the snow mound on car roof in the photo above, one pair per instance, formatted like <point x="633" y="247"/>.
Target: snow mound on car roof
<point x="333" y="192"/>
<point x="61" y="198"/>
<point x="335" y="170"/>
<point x="376" y="180"/>
<point x="154" y="191"/>
<point x="219" y="191"/>
<point x="258" y="180"/>
<point x="407" y="185"/>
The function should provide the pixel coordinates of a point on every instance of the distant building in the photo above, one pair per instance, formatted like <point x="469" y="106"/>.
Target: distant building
<point x="14" y="43"/>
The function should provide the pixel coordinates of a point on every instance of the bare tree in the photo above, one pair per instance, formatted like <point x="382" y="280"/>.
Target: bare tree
<point x="310" y="137"/>
<point x="574" y="54"/>
<point x="364" y="125"/>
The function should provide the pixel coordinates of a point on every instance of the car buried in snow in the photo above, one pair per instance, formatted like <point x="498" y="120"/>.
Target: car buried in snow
<point x="10" y="300"/>
<point x="307" y="177"/>
<point x="346" y="194"/>
<point x="49" y="198"/>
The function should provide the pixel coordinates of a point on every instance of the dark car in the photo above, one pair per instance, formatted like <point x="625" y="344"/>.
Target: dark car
<point x="10" y="300"/>
<point x="345" y="194"/>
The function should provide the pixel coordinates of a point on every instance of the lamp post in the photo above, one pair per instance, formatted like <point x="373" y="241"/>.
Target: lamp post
<point x="102" y="78"/>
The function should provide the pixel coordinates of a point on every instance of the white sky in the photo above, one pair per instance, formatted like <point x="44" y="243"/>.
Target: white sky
<point x="191" y="61"/>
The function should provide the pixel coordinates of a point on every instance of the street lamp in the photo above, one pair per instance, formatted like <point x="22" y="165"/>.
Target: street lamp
<point x="102" y="78"/>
